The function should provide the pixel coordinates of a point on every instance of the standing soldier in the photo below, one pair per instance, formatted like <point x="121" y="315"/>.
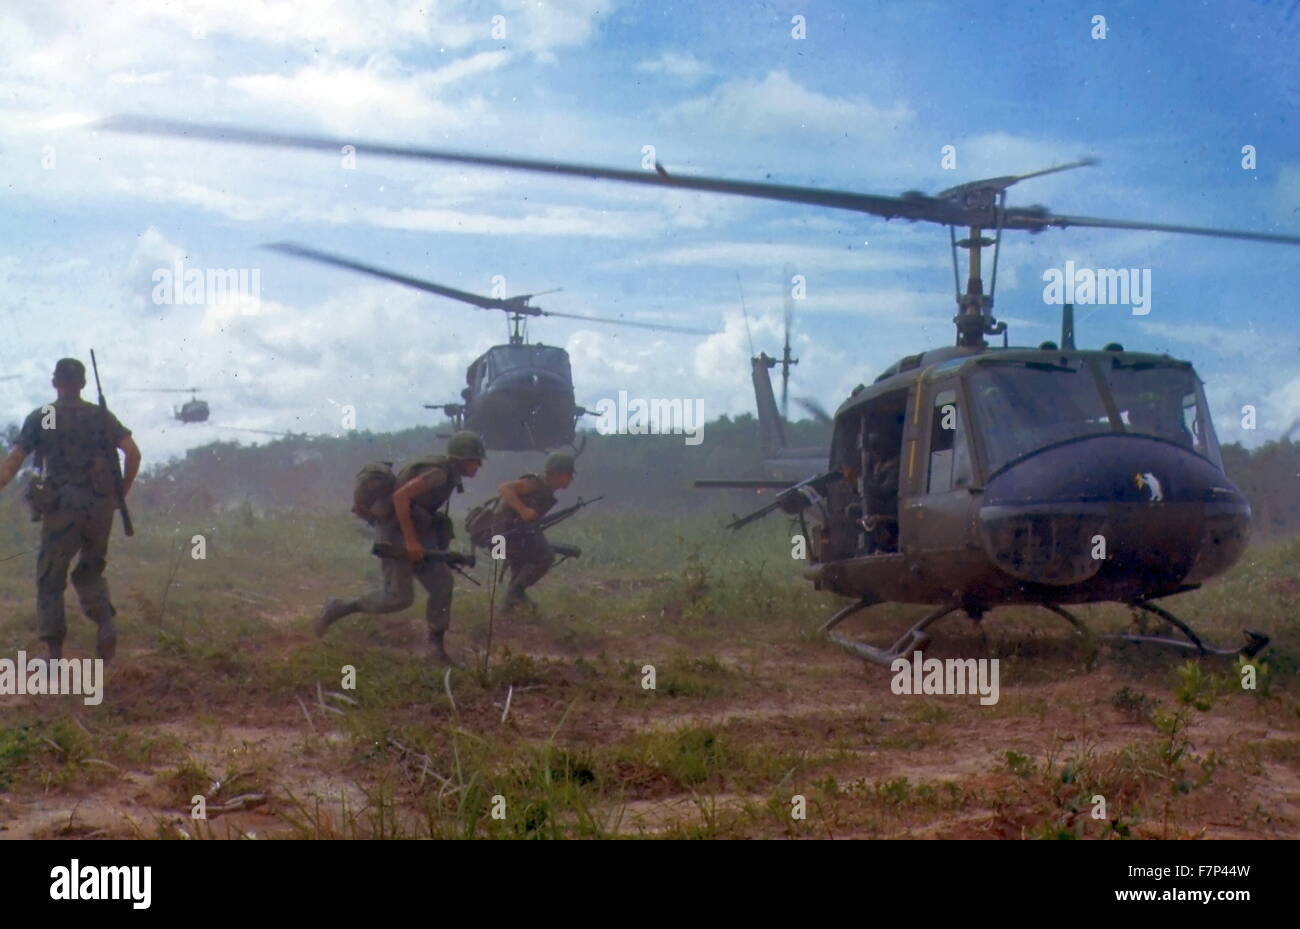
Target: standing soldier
<point x="528" y="555"/>
<point x="75" y="499"/>
<point x="409" y="522"/>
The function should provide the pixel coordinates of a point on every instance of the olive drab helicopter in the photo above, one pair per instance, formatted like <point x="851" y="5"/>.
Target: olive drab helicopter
<point x="192" y="410"/>
<point x="972" y="476"/>
<point x="518" y="396"/>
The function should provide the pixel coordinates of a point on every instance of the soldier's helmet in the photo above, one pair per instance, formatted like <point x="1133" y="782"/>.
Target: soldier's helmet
<point x="466" y="444"/>
<point x="559" y="463"/>
<point x="69" y="371"/>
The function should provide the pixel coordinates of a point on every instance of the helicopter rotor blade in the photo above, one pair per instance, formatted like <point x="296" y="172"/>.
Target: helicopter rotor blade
<point x="661" y="327"/>
<point x="516" y="304"/>
<point x="947" y="211"/>
<point x="288" y="435"/>
<point x="164" y="390"/>
<point x="788" y="313"/>
<point x="1002" y="183"/>
<point x="1045" y="220"/>
<point x="9" y="377"/>
<point x="863" y="203"/>
<point x="184" y="390"/>
<point x="339" y="261"/>
<point x="744" y="310"/>
<point x="815" y="409"/>
<point x="540" y="293"/>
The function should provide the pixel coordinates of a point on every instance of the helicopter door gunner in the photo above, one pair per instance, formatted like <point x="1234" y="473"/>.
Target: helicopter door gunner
<point x="880" y="490"/>
<point x="528" y="555"/>
<point x="412" y="525"/>
<point x="75" y="502"/>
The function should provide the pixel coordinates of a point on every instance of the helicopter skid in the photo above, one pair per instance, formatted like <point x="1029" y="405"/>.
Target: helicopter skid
<point x="1255" y="641"/>
<point x="914" y="639"/>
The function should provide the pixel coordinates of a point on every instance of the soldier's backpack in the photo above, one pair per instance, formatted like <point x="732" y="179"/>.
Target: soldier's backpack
<point x="418" y="466"/>
<point x="479" y="520"/>
<point x="422" y="512"/>
<point x="372" y="491"/>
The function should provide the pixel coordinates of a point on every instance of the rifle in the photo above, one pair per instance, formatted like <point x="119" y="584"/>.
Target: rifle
<point x="550" y="519"/>
<point x="457" y="561"/>
<point x="793" y="500"/>
<point x="127" y="526"/>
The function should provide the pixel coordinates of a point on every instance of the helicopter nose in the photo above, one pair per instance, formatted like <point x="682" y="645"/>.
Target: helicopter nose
<point x="1138" y="513"/>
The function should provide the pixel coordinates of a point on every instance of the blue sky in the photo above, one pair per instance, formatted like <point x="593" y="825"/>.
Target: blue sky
<point x="865" y="102"/>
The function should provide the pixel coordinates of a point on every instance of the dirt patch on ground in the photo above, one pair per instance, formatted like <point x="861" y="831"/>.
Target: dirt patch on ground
<point x="768" y="723"/>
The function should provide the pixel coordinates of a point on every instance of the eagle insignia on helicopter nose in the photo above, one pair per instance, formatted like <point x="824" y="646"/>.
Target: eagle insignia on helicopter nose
<point x="1148" y="481"/>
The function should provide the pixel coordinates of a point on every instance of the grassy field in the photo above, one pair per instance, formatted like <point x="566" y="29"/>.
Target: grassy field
<point x="220" y="690"/>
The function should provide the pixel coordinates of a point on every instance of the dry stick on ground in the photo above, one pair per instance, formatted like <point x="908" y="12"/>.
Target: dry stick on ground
<point x="320" y="699"/>
<point x="492" y="610"/>
<point x="506" y="712"/>
<point x="243" y="801"/>
<point x="446" y="683"/>
<point x="305" y="713"/>
<point x="426" y="764"/>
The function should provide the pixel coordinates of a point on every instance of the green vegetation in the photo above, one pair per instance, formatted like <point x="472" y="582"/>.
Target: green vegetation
<point x="219" y="681"/>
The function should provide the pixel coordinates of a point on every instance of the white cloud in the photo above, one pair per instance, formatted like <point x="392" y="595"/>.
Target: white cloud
<point x="542" y="27"/>
<point x="1244" y="341"/>
<point x="380" y="95"/>
<point x="777" y="105"/>
<point x="684" y="67"/>
<point x="1283" y="408"/>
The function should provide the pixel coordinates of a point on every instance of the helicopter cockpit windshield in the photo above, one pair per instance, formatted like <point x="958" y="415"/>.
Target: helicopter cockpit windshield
<point x="505" y="358"/>
<point x="1028" y="406"/>
<point x="1164" y="401"/>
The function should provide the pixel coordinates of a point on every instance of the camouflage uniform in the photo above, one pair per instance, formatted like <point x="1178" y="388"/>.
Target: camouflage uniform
<point x="880" y="471"/>
<point x="78" y="516"/>
<point x="528" y="555"/>
<point x="397" y="590"/>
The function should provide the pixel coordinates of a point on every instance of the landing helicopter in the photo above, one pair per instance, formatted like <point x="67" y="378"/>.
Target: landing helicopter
<point x="1049" y="476"/>
<point x="518" y="396"/>
<point x="192" y="410"/>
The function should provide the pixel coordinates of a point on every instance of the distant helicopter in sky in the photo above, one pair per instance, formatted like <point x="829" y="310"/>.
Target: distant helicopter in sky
<point x="518" y="396"/>
<point x="192" y="410"/>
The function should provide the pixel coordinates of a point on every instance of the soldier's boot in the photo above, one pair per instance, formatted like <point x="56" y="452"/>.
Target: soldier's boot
<point x="517" y="600"/>
<point x="438" y="648"/>
<point x="333" y="610"/>
<point x="53" y="652"/>
<point x="106" y="640"/>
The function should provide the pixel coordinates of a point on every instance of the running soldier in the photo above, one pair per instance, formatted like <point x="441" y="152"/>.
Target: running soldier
<point x="410" y="522"/>
<point x="528" y="555"/>
<point x="75" y="499"/>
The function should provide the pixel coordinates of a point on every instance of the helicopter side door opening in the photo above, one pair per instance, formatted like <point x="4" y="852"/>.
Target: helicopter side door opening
<point x="868" y="444"/>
